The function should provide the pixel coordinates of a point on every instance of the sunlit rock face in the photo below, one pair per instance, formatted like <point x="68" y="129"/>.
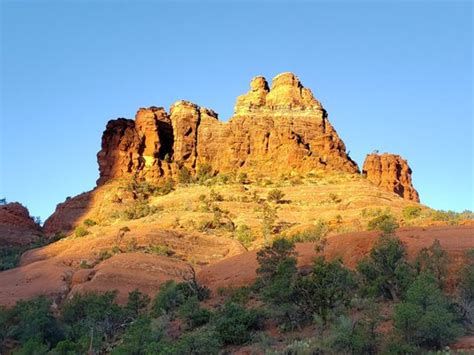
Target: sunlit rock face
<point x="274" y="131"/>
<point x="392" y="173"/>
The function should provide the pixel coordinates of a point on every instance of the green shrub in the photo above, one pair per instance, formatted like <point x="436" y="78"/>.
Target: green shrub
<point x="198" y="342"/>
<point x="277" y="274"/>
<point x="204" y="172"/>
<point x="386" y="272"/>
<point x="275" y="195"/>
<point x="140" y="338"/>
<point x="433" y="260"/>
<point x="165" y="188"/>
<point x="242" y="178"/>
<point x="425" y="317"/>
<point x="385" y="223"/>
<point x="89" y="222"/>
<point x="334" y="198"/>
<point x="354" y="337"/>
<point x="312" y="234"/>
<point x="329" y="286"/>
<point x="172" y="295"/>
<point x="244" y="235"/>
<point x="269" y="216"/>
<point x="193" y="314"/>
<point x="159" y="250"/>
<point x="85" y="265"/>
<point x="184" y="176"/>
<point x="138" y="210"/>
<point x="33" y="347"/>
<point x="80" y="231"/>
<point x="94" y="318"/>
<point x="411" y="212"/>
<point x="466" y="282"/>
<point x="445" y="216"/>
<point x="216" y="196"/>
<point x="137" y="303"/>
<point x="33" y="321"/>
<point x="10" y="257"/>
<point x="234" y="323"/>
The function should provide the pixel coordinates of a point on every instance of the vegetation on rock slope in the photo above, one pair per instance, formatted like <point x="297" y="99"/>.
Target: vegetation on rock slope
<point x="403" y="309"/>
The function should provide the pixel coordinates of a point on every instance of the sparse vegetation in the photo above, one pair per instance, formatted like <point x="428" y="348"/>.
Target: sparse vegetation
<point x="138" y="210"/>
<point x="89" y="222"/>
<point x="204" y="172"/>
<point x="411" y="212"/>
<point x="244" y="234"/>
<point x="184" y="176"/>
<point x="313" y="234"/>
<point x="275" y="195"/>
<point x="80" y="231"/>
<point x="386" y="223"/>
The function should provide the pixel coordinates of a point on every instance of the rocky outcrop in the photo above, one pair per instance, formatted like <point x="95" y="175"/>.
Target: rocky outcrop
<point x="17" y="228"/>
<point x="392" y="173"/>
<point x="275" y="131"/>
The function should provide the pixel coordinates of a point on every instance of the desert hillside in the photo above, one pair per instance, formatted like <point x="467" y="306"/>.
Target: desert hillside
<point x="184" y="198"/>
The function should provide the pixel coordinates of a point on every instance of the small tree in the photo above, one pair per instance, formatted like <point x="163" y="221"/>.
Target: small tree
<point x="276" y="277"/>
<point x="234" y="323"/>
<point x="386" y="271"/>
<point x="269" y="216"/>
<point x="425" y="317"/>
<point x="137" y="303"/>
<point x="329" y="286"/>
<point x="433" y="260"/>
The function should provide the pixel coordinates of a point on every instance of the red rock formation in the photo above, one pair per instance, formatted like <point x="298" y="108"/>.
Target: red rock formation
<point x="17" y="228"/>
<point x="392" y="173"/>
<point x="273" y="131"/>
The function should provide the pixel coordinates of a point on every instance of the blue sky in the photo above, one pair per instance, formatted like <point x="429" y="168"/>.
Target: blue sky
<point x="395" y="76"/>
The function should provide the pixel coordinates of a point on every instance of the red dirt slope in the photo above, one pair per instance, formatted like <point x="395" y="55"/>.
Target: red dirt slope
<point x="351" y="247"/>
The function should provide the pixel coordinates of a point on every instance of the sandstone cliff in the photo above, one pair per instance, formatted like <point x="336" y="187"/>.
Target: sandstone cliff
<point x="392" y="173"/>
<point x="17" y="228"/>
<point x="277" y="130"/>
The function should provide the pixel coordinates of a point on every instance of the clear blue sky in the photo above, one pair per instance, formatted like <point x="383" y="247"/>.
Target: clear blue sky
<point x="394" y="76"/>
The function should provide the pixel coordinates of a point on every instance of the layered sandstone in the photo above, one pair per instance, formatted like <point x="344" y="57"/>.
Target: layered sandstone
<point x="17" y="227"/>
<point x="392" y="173"/>
<point x="273" y="131"/>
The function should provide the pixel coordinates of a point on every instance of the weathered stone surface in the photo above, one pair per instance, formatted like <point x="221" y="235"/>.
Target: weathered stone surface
<point x="275" y="131"/>
<point x="17" y="228"/>
<point x="392" y="173"/>
<point x="120" y="150"/>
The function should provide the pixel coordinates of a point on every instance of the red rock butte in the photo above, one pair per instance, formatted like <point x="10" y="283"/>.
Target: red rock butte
<point x="275" y="130"/>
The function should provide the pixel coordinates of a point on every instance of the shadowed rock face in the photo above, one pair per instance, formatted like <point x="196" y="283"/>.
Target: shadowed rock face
<point x="273" y="131"/>
<point x="17" y="228"/>
<point x="392" y="173"/>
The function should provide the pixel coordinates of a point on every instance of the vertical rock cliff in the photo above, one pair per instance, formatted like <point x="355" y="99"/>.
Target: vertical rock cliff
<point x="392" y="173"/>
<point x="277" y="130"/>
